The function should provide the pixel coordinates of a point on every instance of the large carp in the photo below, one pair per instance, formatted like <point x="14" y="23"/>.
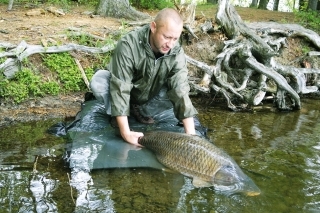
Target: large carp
<point x="196" y="157"/>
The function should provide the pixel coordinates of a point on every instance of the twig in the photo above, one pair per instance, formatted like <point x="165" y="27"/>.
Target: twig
<point x="74" y="202"/>
<point x="35" y="164"/>
<point x="83" y="74"/>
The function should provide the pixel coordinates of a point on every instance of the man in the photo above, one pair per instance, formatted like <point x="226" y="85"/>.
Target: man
<point x="145" y="61"/>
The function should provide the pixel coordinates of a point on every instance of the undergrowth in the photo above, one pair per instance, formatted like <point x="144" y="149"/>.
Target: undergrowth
<point x="63" y="76"/>
<point x="309" y="19"/>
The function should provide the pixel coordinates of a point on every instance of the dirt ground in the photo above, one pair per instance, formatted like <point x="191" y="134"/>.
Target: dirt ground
<point x="35" y="24"/>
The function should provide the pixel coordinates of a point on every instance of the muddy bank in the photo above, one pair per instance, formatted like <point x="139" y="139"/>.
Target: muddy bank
<point x="62" y="106"/>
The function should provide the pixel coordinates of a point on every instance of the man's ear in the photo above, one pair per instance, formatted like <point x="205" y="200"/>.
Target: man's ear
<point x="153" y="26"/>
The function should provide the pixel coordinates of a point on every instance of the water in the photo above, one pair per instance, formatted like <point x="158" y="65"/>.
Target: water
<point x="279" y="151"/>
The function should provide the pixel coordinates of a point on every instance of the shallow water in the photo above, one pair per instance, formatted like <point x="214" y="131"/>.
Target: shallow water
<point x="279" y="151"/>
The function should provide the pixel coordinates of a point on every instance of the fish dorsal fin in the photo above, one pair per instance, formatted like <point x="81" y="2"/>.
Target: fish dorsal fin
<point x="200" y="183"/>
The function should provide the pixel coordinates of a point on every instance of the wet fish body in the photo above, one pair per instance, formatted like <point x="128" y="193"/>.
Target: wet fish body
<point x="198" y="158"/>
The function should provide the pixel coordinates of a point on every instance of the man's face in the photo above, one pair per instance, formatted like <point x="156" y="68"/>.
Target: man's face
<point x="163" y="38"/>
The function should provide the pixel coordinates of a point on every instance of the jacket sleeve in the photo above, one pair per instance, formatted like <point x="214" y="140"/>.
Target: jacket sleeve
<point x="178" y="88"/>
<point x="121" y="68"/>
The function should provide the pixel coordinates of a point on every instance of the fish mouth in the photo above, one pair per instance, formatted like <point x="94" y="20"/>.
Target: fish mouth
<point x="253" y="193"/>
<point x="248" y="188"/>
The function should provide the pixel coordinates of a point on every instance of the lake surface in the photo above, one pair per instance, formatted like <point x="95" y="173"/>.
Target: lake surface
<point x="278" y="150"/>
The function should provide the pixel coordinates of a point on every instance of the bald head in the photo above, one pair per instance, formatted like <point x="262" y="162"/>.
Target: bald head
<point x="168" y="15"/>
<point x="165" y="30"/>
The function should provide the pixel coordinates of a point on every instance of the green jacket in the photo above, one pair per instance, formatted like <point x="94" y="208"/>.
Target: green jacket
<point x="137" y="76"/>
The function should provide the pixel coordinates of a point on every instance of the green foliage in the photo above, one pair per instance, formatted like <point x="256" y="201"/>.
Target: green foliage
<point x="2" y="60"/>
<point x="305" y="50"/>
<point x="309" y="19"/>
<point x="89" y="72"/>
<point x="14" y="91"/>
<point x="63" y="76"/>
<point x="83" y="40"/>
<point x="65" y="4"/>
<point x="50" y="87"/>
<point x="17" y="90"/>
<point x="86" y="40"/>
<point x="61" y="3"/>
<point x="151" y="4"/>
<point x="67" y="70"/>
<point x="91" y="42"/>
<point x="33" y="81"/>
<point x="303" y="6"/>
<point x="101" y="61"/>
<point x="26" y="84"/>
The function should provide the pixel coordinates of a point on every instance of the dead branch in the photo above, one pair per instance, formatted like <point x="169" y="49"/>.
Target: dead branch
<point x="17" y="54"/>
<point x="83" y="74"/>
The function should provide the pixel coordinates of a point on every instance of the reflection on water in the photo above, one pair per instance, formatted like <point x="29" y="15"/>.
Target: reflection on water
<point x="279" y="151"/>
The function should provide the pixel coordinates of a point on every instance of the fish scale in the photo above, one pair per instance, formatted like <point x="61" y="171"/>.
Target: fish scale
<point x="198" y="158"/>
<point x="184" y="153"/>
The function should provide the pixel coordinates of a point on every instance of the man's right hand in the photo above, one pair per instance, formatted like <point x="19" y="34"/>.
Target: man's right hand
<point x="128" y="135"/>
<point x="132" y="137"/>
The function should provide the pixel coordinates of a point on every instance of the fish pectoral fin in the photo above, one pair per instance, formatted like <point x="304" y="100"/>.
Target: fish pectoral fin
<point x="166" y="169"/>
<point x="200" y="183"/>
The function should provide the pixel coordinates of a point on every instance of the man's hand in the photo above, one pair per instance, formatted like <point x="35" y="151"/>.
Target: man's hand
<point x="128" y="135"/>
<point x="132" y="137"/>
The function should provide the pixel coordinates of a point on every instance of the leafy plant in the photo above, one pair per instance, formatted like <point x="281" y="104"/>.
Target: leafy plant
<point x="65" y="4"/>
<point x="82" y="40"/>
<point x="86" y="40"/>
<point x="33" y="81"/>
<point x="68" y="73"/>
<point x="305" y="49"/>
<point x="50" y="87"/>
<point x="100" y="62"/>
<point x="309" y="19"/>
<point x="14" y="90"/>
<point x="24" y="84"/>
<point x="150" y="5"/>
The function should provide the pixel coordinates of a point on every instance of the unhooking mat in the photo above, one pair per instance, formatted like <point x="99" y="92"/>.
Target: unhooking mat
<point x="95" y="144"/>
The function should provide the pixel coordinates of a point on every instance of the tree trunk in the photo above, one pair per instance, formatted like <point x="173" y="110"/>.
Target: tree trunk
<point x="275" y="5"/>
<point x="263" y="4"/>
<point x="212" y="1"/>
<point x="254" y="4"/>
<point x="119" y="9"/>
<point x="10" y="5"/>
<point x="312" y="5"/>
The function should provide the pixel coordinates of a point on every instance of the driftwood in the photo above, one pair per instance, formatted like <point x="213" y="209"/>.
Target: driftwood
<point x="244" y="73"/>
<point x="254" y="47"/>
<point x="23" y="50"/>
<point x="83" y="74"/>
